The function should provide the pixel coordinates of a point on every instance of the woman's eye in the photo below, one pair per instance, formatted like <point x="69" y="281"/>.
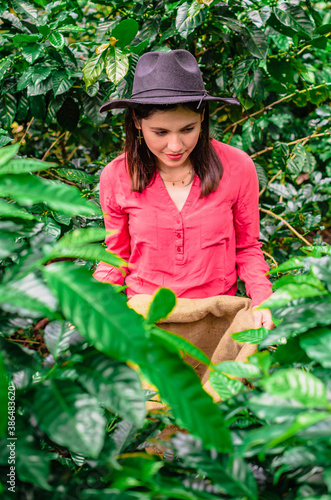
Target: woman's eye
<point x="160" y="133"/>
<point x="188" y="129"/>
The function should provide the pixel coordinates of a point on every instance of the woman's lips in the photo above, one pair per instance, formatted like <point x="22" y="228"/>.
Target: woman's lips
<point x="175" y="157"/>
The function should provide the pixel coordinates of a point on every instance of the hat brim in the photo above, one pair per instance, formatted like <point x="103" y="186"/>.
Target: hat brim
<point x="131" y="103"/>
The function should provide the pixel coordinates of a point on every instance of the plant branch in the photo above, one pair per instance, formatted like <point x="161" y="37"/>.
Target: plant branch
<point x="298" y="235"/>
<point x="51" y="146"/>
<point x="270" y="257"/>
<point x="303" y="139"/>
<point x="272" y="105"/>
<point x="271" y="180"/>
<point x="27" y="130"/>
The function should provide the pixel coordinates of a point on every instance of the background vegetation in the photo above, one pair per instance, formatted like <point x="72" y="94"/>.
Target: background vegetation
<point x="81" y="424"/>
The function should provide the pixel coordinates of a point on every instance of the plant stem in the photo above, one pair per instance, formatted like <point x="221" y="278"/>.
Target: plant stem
<point x="270" y="257"/>
<point x="286" y="224"/>
<point x="303" y="139"/>
<point x="271" y="180"/>
<point x="272" y="104"/>
<point x="27" y="130"/>
<point x="52" y="145"/>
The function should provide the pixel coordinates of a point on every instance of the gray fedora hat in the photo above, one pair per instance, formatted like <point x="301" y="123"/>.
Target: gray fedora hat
<point x="166" y="78"/>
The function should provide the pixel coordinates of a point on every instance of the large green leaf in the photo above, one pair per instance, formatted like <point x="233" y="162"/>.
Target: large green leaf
<point x="29" y="189"/>
<point x="243" y="74"/>
<point x="116" y="64"/>
<point x="182" y="345"/>
<point x="186" y="24"/>
<point x="161" y="306"/>
<point x="290" y="292"/>
<point x="289" y="265"/>
<point x="125" y="32"/>
<point x="280" y="153"/>
<point x="238" y="369"/>
<point x="100" y="314"/>
<point x="233" y="476"/>
<point x="256" y="42"/>
<point x="93" y="68"/>
<point x="80" y="237"/>
<point x="56" y="39"/>
<point x="274" y="409"/>
<point x="8" y="153"/>
<point x="299" y="385"/>
<point x="252" y="336"/>
<point x="61" y="82"/>
<point x="224" y="386"/>
<point x="298" y="279"/>
<point x="5" y="64"/>
<point x="294" y="17"/>
<point x="26" y="8"/>
<point x="57" y="337"/>
<point x="115" y="385"/>
<point x="8" y="108"/>
<point x="24" y="165"/>
<point x="89" y="252"/>
<point x="70" y="417"/>
<point x="317" y="345"/>
<point x="18" y="301"/>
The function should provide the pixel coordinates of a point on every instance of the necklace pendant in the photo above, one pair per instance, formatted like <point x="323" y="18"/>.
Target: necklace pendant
<point x="173" y="183"/>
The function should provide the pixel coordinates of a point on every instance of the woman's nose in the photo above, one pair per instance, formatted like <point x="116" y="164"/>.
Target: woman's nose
<point x="174" y="143"/>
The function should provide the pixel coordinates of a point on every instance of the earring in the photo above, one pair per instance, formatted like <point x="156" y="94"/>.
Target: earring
<point x="139" y="137"/>
<point x="200" y="133"/>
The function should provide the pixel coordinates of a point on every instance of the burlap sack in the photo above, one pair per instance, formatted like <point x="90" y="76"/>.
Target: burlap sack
<point x="208" y="323"/>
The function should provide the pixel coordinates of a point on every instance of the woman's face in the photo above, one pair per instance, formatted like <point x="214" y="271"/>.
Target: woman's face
<point x="171" y="136"/>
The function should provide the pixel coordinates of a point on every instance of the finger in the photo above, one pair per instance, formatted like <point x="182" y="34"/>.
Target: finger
<point x="257" y="319"/>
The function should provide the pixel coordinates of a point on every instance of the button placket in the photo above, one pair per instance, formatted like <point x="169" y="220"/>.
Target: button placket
<point x="179" y="250"/>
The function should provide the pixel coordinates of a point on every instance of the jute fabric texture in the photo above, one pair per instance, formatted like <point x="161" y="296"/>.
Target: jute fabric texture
<point x="208" y="323"/>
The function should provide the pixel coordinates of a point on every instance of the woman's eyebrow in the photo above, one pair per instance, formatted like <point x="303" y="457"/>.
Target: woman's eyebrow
<point x="164" y="129"/>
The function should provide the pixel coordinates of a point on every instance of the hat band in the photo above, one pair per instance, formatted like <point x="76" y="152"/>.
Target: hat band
<point x="174" y="93"/>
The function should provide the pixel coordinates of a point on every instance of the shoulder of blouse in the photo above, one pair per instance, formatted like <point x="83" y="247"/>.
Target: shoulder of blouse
<point x="114" y="171"/>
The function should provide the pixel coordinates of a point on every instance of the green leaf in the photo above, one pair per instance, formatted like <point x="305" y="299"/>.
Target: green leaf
<point x="297" y="160"/>
<point x="242" y="74"/>
<point x="93" y="68"/>
<point x="317" y="345"/>
<point x="261" y="360"/>
<point x="184" y="346"/>
<point x="90" y="252"/>
<point x="100" y="314"/>
<point x="25" y="8"/>
<point x="29" y="189"/>
<point x="10" y="209"/>
<point x="274" y="409"/>
<point x="256" y="42"/>
<point x="5" y="64"/>
<point x="224" y="386"/>
<point x="298" y="279"/>
<point x="321" y="268"/>
<point x="56" y="39"/>
<point x="115" y="385"/>
<point x="70" y="417"/>
<point x="61" y="82"/>
<point x="116" y="64"/>
<point x="280" y="153"/>
<point x="125" y="32"/>
<point x="20" y="302"/>
<point x="70" y="28"/>
<point x="299" y="385"/>
<point x="32" y="52"/>
<point x="290" y="292"/>
<point x="57" y="337"/>
<point x="180" y="388"/>
<point x="24" y="165"/>
<point x="238" y="369"/>
<point x="252" y="336"/>
<point x="294" y="17"/>
<point x="8" y="108"/>
<point x="25" y="38"/>
<point x="8" y="153"/>
<point x="290" y="265"/>
<point x="261" y="175"/>
<point x="33" y="464"/>
<point x="163" y="303"/>
<point x="79" y="237"/>
<point x="4" y="140"/>
<point x="185" y="25"/>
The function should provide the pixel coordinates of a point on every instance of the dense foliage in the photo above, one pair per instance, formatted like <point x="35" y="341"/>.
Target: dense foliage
<point x="65" y="339"/>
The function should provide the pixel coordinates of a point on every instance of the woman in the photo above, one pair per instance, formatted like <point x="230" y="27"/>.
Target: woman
<point x="185" y="208"/>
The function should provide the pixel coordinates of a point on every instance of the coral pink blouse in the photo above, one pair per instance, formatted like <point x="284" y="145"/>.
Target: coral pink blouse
<point x="197" y="252"/>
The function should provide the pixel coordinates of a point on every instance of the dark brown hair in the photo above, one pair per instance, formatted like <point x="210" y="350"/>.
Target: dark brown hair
<point x="142" y="164"/>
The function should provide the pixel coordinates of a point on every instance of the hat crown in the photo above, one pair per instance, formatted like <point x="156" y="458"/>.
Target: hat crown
<point x="175" y="70"/>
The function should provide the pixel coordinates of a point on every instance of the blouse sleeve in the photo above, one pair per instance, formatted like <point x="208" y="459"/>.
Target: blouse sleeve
<point x="115" y="219"/>
<point x="251" y="265"/>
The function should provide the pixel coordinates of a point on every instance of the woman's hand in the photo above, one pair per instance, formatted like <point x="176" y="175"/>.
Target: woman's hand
<point x="262" y="317"/>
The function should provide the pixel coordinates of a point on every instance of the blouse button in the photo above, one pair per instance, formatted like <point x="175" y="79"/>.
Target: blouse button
<point x="178" y="249"/>
<point x="178" y="235"/>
